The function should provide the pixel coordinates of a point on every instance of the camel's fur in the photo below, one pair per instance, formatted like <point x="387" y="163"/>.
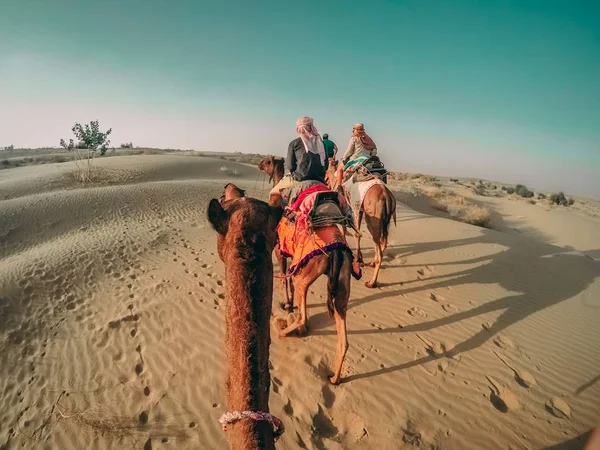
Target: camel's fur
<point x="246" y="236"/>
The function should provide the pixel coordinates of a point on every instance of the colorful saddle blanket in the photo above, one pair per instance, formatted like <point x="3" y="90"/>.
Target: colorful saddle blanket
<point x="302" y="245"/>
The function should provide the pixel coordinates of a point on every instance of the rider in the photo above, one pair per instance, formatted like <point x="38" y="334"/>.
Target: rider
<point x="360" y="148"/>
<point x="306" y="158"/>
<point x="330" y="147"/>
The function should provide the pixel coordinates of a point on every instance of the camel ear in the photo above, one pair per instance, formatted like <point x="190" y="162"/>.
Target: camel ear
<point x="276" y="212"/>
<point x="217" y="216"/>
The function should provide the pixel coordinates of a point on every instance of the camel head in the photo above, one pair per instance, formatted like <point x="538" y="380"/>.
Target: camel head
<point x="244" y="225"/>
<point x="231" y="191"/>
<point x="330" y="175"/>
<point x="271" y="165"/>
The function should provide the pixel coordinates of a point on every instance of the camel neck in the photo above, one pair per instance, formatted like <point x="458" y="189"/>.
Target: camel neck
<point x="277" y="174"/>
<point x="248" y="310"/>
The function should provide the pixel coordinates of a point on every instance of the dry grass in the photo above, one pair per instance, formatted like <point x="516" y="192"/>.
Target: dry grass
<point x="457" y="207"/>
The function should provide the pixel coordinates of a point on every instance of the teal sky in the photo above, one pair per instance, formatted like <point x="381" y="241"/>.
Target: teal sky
<point x="507" y="90"/>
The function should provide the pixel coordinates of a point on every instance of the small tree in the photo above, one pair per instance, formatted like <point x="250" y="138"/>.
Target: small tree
<point x="9" y="148"/>
<point x="90" y="138"/>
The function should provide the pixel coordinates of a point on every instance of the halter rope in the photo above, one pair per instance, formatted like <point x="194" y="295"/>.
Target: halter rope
<point x="235" y="416"/>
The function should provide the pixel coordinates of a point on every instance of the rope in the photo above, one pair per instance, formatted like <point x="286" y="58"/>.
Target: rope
<point x="235" y="416"/>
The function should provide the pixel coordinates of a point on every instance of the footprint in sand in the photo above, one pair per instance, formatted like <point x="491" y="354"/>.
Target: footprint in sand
<point x="501" y="397"/>
<point x="558" y="408"/>
<point x="435" y="297"/>
<point x="504" y="342"/>
<point x="523" y="377"/>
<point x="415" y="311"/>
<point x="437" y="349"/>
<point x="450" y="308"/>
<point x="424" y="273"/>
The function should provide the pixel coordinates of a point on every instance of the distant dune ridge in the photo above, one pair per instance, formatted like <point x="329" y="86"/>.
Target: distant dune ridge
<point x="112" y="334"/>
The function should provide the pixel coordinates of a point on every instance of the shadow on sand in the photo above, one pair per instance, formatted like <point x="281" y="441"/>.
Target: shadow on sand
<point x="537" y="276"/>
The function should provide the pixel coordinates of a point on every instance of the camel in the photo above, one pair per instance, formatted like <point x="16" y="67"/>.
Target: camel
<point x="379" y="207"/>
<point x="273" y="166"/>
<point x="246" y="237"/>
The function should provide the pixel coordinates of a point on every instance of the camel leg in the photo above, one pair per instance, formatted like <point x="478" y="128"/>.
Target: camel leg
<point x="359" y="257"/>
<point x="300" y="283"/>
<point x="284" y="281"/>
<point x="377" y="267"/>
<point x="341" y="348"/>
<point x="300" y="323"/>
<point x="374" y="225"/>
<point x="340" y="307"/>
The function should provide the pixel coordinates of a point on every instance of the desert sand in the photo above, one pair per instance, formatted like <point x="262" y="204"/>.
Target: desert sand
<point x="112" y="330"/>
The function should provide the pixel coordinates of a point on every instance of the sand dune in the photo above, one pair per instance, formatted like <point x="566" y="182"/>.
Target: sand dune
<point x="111" y="330"/>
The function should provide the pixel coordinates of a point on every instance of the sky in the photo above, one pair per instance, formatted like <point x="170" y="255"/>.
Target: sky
<point x="503" y="90"/>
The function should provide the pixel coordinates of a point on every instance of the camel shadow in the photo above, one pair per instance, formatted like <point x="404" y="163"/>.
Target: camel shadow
<point x="535" y="275"/>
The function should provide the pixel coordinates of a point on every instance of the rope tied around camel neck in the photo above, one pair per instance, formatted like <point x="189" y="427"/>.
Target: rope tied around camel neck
<point x="235" y="416"/>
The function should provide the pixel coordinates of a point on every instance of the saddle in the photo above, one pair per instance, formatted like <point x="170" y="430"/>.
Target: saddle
<point x="327" y="211"/>
<point x="371" y="168"/>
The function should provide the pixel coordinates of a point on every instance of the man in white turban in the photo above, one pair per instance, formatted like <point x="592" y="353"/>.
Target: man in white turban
<point x="306" y="159"/>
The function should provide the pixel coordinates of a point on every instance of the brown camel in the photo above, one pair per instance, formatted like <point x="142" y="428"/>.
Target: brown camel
<point x="246" y="236"/>
<point x="337" y="265"/>
<point x="379" y="207"/>
<point x="273" y="166"/>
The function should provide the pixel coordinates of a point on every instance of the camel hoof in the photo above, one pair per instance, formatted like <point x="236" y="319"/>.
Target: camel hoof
<point x="335" y="380"/>
<point x="303" y="330"/>
<point x="370" y="285"/>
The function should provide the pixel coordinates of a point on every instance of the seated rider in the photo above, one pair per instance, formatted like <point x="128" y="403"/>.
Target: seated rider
<point x="306" y="158"/>
<point x="360" y="148"/>
<point x="330" y="147"/>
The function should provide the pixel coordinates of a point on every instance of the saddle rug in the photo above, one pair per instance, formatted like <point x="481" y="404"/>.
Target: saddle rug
<point x="358" y="191"/>
<point x="301" y="245"/>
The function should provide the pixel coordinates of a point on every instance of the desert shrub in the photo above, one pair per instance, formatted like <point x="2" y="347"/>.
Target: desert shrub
<point x="476" y="215"/>
<point x="127" y="145"/>
<point x="437" y="185"/>
<point x="90" y="138"/>
<point x="479" y="190"/>
<point x="560" y="199"/>
<point x="59" y="159"/>
<point x="541" y="196"/>
<point x="571" y="201"/>
<point x="531" y="201"/>
<point x="6" y="163"/>
<point x="523" y="191"/>
<point x="509" y="190"/>
<point x="454" y="180"/>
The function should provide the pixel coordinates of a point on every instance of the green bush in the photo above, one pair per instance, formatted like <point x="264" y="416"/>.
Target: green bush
<point x="521" y="189"/>
<point x="541" y="196"/>
<point x="560" y="199"/>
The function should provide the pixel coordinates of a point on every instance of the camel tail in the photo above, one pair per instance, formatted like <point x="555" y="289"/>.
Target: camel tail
<point x="389" y="214"/>
<point x="336" y="261"/>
